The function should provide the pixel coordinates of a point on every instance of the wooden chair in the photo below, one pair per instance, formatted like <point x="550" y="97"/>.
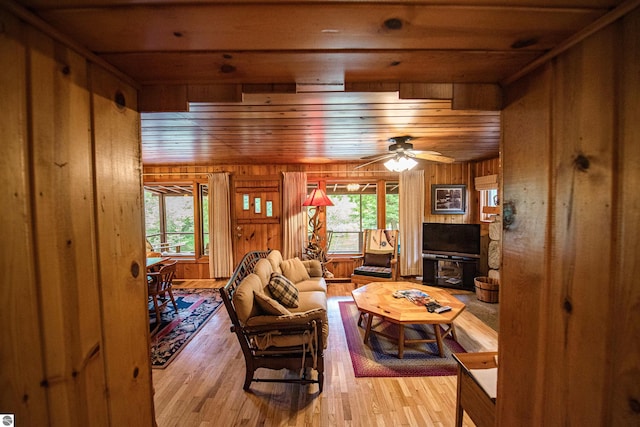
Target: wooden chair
<point x="159" y="288"/>
<point x="379" y="259"/>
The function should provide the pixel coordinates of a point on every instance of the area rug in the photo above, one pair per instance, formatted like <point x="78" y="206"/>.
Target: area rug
<point x="489" y="313"/>
<point x="195" y="307"/>
<point x="379" y="358"/>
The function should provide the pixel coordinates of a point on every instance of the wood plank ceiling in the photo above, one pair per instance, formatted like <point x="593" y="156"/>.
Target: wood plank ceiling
<point x="317" y="81"/>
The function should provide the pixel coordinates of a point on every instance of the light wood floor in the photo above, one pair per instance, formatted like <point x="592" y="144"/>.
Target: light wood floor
<point x="203" y="385"/>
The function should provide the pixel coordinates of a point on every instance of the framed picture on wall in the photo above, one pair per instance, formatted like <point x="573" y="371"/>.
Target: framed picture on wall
<point x="448" y="199"/>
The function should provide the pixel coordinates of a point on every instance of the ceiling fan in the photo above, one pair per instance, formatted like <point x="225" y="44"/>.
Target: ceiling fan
<point x="402" y="156"/>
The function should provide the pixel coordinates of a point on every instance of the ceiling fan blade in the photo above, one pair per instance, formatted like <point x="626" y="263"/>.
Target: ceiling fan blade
<point x="435" y="153"/>
<point x="374" y="156"/>
<point x="434" y="157"/>
<point x="377" y="159"/>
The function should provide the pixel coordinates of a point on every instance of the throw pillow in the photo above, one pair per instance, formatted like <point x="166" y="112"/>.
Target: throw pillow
<point x="294" y="270"/>
<point x="283" y="290"/>
<point x="377" y="260"/>
<point x="269" y="305"/>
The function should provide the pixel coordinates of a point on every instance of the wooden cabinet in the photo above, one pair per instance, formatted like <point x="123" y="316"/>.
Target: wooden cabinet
<point x="449" y="271"/>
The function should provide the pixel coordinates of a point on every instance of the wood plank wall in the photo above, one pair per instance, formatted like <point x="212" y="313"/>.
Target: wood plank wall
<point x="458" y="173"/>
<point x="75" y="348"/>
<point x="570" y="318"/>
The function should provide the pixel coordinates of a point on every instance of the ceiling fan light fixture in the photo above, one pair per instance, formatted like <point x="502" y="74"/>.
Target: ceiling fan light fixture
<point x="400" y="163"/>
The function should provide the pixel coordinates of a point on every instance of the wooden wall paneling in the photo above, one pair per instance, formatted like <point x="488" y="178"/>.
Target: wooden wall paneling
<point x="64" y="221"/>
<point x="21" y="350"/>
<point x="523" y="301"/>
<point x="163" y="98"/>
<point x="454" y="173"/>
<point x="623" y="379"/>
<point x="192" y="270"/>
<point x="434" y="173"/>
<point x="120" y="250"/>
<point x="583" y="145"/>
<point x="476" y="97"/>
<point x="487" y="167"/>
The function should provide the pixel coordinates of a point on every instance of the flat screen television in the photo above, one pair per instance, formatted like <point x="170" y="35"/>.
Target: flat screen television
<point x="454" y="239"/>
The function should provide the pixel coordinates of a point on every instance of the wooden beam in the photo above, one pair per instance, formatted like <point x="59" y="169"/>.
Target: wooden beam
<point x="576" y="38"/>
<point x="426" y="91"/>
<point x="486" y="97"/>
<point x="371" y="87"/>
<point x="269" y="88"/>
<point x="214" y="93"/>
<point x="163" y="98"/>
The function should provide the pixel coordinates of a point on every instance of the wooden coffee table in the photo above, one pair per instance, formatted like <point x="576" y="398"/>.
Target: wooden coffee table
<point x="376" y="299"/>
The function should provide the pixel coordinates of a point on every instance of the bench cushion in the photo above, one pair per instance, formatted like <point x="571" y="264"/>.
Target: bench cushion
<point x="372" y="271"/>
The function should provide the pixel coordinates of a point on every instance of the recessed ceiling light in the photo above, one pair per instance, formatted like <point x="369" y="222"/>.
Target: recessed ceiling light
<point x="329" y="30"/>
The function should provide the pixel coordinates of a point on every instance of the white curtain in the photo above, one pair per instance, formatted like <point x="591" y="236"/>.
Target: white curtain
<point x="294" y="192"/>
<point x="220" y="248"/>
<point x="411" y="194"/>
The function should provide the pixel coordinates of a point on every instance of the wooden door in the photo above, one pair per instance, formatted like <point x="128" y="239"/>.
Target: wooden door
<point x="256" y="214"/>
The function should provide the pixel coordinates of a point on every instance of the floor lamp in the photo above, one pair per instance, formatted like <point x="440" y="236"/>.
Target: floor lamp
<point x="315" y="250"/>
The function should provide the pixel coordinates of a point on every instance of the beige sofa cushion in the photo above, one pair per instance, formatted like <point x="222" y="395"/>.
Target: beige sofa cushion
<point x="309" y="301"/>
<point x="313" y="266"/>
<point x="270" y="306"/>
<point x="275" y="258"/>
<point x="294" y="270"/>
<point x="313" y="284"/>
<point x="243" y="298"/>
<point x="263" y="269"/>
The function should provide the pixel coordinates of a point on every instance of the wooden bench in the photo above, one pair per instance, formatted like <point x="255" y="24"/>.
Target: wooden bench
<point x="473" y="396"/>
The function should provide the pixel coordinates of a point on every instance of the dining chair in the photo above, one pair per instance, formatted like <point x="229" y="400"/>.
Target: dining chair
<point x="159" y="288"/>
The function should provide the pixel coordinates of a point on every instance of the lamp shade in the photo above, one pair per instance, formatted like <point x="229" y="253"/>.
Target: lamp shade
<point x="400" y="163"/>
<point x="317" y="198"/>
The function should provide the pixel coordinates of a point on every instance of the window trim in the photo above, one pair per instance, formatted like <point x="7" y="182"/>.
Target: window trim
<point x="198" y="252"/>
<point x="381" y="184"/>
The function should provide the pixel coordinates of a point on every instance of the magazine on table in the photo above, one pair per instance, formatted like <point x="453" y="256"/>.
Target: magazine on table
<point x="416" y="296"/>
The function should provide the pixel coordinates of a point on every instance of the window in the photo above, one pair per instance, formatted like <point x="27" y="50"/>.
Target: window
<point x="204" y="209"/>
<point x="488" y="198"/>
<point x="179" y="222"/>
<point x="169" y="218"/>
<point x="152" y="218"/>
<point x="355" y="208"/>
<point x="487" y="186"/>
<point x="392" y="206"/>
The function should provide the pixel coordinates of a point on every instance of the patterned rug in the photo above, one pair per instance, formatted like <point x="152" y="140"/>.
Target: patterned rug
<point x="195" y="307"/>
<point x="380" y="357"/>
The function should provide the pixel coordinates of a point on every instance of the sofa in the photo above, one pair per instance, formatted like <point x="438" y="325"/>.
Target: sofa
<point x="278" y="311"/>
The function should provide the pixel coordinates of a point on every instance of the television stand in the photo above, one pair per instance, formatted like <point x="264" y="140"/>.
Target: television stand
<point x="449" y="270"/>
